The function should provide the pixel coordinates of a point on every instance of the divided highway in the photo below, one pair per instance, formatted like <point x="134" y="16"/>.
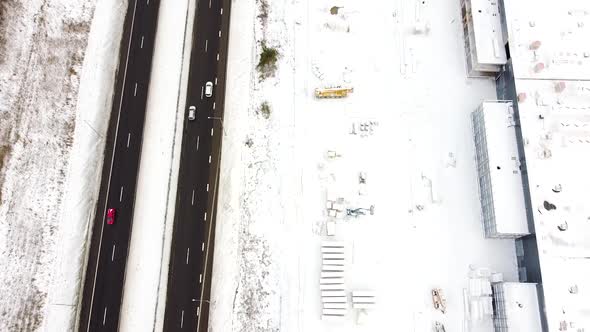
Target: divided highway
<point x="189" y="279"/>
<point x="105" y="275"/>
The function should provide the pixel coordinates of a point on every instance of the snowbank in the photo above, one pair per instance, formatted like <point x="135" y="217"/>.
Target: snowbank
<point x="83" y="182"/>
<point x="149" y="250"/>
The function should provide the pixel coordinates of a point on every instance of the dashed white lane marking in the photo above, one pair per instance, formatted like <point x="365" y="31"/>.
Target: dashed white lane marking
<point x="221" y="13"/>
<point x="193" y="198"/>
<point x="188" y="252"/>
<point x="128" y="138"/>
<point x="135" y="90"/>
<point x="182" y="319"/>
<point x="209" y="159"/>
<point x="205" y="217"/>
<point x="207" y="187"/>
<point x="206" y="43"/>
<point x="215" y="80"/>
<point x="211" y="131"/>
<point x="104" y="316"/>
<point x="197" y="143"/>
<point x="213" y="105"/>
<point x="121" y="194"/>
<point x="113" y="253"/>
<point x="202" y="246"/>
<point x="141" y="46"/>
<point x="202" y="92"/>
<point x="200" y="278"/>
<point x="217" y="56"/>
<point x="209" y="3"/>
<point x="219" y="33"/>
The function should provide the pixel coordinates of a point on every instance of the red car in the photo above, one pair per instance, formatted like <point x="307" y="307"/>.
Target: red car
<point x="111" y="216"/>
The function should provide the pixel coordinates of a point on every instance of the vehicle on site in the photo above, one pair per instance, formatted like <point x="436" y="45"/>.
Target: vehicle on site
<point x="209" y="89"/>
<point x="337" y="92"/>
<point x="438" y="300"/>
<point x="111" y="213"/>
<point x="192" y="113"/>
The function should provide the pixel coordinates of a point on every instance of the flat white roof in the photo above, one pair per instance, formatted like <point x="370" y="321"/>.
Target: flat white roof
<point x="506" y="180"/>
<point x="549" y="39"/>
<point x="555" y="122"/>
<point x="487" y="30"/>
<point x="522" y="307"/>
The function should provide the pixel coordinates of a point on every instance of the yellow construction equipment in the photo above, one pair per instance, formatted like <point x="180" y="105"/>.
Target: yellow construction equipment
<point x="338" y="92"/>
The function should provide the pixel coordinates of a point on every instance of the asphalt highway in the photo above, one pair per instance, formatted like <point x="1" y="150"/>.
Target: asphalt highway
<point x="189" y="279"/>
<point x="105" y="275"/>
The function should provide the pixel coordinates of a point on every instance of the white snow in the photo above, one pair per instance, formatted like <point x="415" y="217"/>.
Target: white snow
<point x="417" y="154"/>
<point x="149" y="251"/>
<point x="57" y="76"/>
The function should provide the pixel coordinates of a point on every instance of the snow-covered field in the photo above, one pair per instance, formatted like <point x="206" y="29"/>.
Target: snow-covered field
<point x="418" y="158"/>
<point x="56" y="78"/>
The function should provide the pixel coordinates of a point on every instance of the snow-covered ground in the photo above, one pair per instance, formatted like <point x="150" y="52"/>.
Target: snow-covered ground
<point x="419" y="161"/>
<point x="56" y="76"/>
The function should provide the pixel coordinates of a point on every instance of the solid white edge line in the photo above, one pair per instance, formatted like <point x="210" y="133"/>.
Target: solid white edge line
<point x="111" y="169"/>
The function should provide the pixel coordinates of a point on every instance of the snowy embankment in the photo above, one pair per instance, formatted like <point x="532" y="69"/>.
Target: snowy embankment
<point x="256" y="209"/>
<point x="57" y="71"/>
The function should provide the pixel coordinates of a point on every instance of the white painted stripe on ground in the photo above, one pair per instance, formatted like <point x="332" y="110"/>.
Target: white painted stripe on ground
<point x="198" y="143"/>
<point x="104" y="316"/>
<point x="213" y="105"/>
<point x="181" y="318"/>
<point x="193" y="198"/>
<point x="202" y="246"/>
<point x="141" y="46"/>
<point x="207" y="187"/>
<point x="128" y="139"/>
<point x="121" y="194"/>
<point x="188" y="252"/>
<point x="211" y="131"/>
<point x="135" y="90"/>
<point x="206" y="43"/>
<point x="200" y="278"/>
<point x="209" y="159"/>
<point x="113" y="253"/>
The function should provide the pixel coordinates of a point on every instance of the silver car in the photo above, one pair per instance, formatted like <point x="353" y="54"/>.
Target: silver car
<point x="209" y="89"/>
<point x="192" y="113"/>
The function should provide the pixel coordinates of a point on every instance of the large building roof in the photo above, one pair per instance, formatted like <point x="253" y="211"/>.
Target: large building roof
<point x="550" y="50"/>
<point x="505" y="175"/>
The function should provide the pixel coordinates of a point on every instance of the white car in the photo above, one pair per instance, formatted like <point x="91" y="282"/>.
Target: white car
<point x="192" y="113"/>
<point x="209" y="89"/>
